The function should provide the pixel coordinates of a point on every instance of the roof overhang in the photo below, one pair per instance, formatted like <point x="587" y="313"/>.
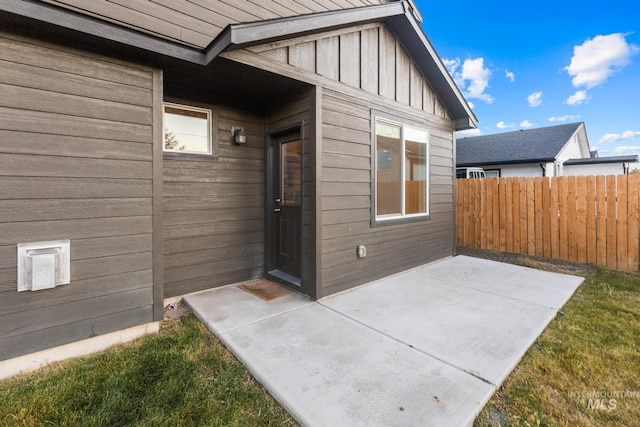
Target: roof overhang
<point x="633" y="158"/>
<point x="75" y="21"/>
<point x="508" y="162"/>
<point x="260" y="32"/>
<point x="401" y="17"/>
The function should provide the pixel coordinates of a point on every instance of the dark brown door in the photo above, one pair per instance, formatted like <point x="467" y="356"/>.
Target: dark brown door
<point x="288" y="200"/>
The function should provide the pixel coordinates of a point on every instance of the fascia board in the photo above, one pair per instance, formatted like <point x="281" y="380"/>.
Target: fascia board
<point x="248" y="34"/>
<point x="86" y="24"/>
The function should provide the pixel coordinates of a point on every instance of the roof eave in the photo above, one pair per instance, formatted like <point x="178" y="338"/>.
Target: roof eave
<point x="633" y="158"/>
<point x="507" y="162"/>
<point x="75" y="21"/>
<point x="260" y="32"/>
<point x="400" y="16"/>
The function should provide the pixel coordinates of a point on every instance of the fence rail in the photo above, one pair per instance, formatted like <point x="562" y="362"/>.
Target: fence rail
<point x="593" y="219"/>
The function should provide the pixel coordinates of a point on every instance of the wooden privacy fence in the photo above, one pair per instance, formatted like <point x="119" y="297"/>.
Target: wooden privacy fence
<point x="591" y="219"/>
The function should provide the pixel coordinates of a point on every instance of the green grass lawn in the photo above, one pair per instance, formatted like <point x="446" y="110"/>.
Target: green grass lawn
<point x="181" y="376"/>
<point x="584" y="370"/>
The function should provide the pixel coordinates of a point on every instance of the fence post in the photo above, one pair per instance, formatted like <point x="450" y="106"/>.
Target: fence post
<point x="623" y="229"/>
<point x="634" y="218"/>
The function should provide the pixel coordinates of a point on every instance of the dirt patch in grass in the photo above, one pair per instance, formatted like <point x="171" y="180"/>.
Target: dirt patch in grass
<point x="172" y="314"/>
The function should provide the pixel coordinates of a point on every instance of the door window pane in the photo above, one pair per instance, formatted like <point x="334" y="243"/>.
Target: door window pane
<point x="389" y="169"/>
<point x="291" y="182"/>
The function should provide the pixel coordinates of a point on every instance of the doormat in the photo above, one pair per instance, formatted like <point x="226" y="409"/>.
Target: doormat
<point x="265" y="289"/>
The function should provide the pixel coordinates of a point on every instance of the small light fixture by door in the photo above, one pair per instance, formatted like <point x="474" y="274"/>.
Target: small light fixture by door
<point x="239" y="137"/>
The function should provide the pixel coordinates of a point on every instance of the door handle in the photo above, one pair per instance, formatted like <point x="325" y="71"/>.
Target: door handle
<point x="276" y="210"/>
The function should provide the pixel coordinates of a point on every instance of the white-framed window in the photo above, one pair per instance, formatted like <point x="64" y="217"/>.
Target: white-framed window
<point x="187" y="129"/>
<point x="401" y="175"/>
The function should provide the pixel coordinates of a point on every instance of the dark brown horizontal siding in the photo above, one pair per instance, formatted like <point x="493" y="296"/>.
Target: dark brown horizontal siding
<point x="20" y="210"/>
<point x="65" y="125"/>
<point x="18" y="142"/>
<point x="346" y="204"/>
<point x="213" y="221"/>
<point x="197" y="22"/>
<point x="397" y="257"/>
<point x="76" y="156"/>
<point x="35" y="77"/>
<point x="87" y="327"/>
<point x="53" y="166"/>
<point x="42" y="187"/>
<point x="74" y="63"/>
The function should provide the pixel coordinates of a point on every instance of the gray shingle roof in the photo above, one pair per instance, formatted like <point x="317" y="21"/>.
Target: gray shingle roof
<point x="523" y="146"/>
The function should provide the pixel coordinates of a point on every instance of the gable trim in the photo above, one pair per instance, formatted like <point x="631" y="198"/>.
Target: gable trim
<point x="243" y="35"/>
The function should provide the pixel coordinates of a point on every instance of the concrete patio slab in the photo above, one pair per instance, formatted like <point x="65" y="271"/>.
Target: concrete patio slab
<point x="526" y="284"/>
<point x="481" y="333"/>
<point x="426" y="347"/>
<point x="330" y="371"/>
<point x="230" y="307"/>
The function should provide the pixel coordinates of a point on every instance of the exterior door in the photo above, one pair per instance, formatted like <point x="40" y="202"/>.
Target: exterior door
<point x="287" y="202"/>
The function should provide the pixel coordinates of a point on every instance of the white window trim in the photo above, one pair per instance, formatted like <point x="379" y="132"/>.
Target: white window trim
<point x="402" y="215"/>
<point x="209" y="114"/>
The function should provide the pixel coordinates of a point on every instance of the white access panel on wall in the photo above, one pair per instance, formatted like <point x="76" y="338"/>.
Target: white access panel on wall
<point x="43" y="265"/>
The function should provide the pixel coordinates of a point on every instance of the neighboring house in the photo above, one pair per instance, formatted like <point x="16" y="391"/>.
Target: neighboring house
<point x="596" y="165"/>
<point x="185" y="145"/>
<point x="550" y="151"/>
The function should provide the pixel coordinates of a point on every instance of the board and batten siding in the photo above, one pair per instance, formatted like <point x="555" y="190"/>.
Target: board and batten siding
<point x="346" y="198"/>
<point x="214" y="211"/>
<point x="367" y="57"/>
<point x="198" y="22"/>
<point x="76" y="162"/>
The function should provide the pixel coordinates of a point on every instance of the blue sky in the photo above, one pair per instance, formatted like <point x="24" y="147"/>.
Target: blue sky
<point x="537" y="64"/>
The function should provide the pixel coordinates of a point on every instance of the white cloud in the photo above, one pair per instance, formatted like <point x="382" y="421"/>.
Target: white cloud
<point x="525" y="124"/>
<point x="452" y="66"/>
<point x="471" y="105"/>
<point x="597" y="59"/>
<point x="468" y="133"/>
<point x="615" y="137"/>
<point x="578" y="98"/>
<point x="564" y="118"/>
<point x="472" y="77"/>
<point x="535" y="99"/>
<point x="509" y="75"/>
<point x="625" y="149"/>
<point x="502" y="125"/>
